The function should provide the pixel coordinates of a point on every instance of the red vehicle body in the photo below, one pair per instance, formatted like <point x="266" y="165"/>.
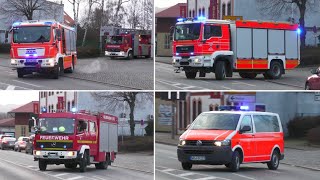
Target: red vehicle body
<point x="313" y="81"/>
<point x="44" y="47"/>
<point x="128" y="45"/>
<point x="76" y="138"/>
<point x="232" y="138"/>
<point x="224" y="47"/>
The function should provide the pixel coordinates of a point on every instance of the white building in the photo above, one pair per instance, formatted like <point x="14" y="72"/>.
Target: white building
<point x="251" y="10"/>
<point x="54" y="11"/>
<point x="55" y="101"/>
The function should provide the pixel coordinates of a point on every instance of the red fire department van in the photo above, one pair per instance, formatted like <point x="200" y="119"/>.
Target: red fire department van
<point x="232" y="138"/>
<point x="224" y="47"/>
<point x="44" y="47"/>
<point x="128" y="45"/>
<point x="76" y="138"/>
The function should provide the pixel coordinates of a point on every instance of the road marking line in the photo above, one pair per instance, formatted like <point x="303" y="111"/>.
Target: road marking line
<point x="77" y="177"/>
<point x="26" y="83"/>
<point x="168" y="170"/>
<point x="10" y="87"/>
<point x="15" y="86"/>
<point x="239" y="82"/>
<point x="243" y="176"/>
<point x="172" y="157"/>
<point x="206" y="178"/>
<point x="186" y="174"/>
<point x="98" y="177"/>
<point x="173" y="174"/>
<point x="62" y="174"/>
<point x="277" y="172"/>
<point x="226" y="88"/>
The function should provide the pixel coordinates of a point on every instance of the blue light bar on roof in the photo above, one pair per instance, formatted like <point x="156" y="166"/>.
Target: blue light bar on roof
<point x="235" y="108"/>
<point x="181" y="19"/>
<point x="201" y="18"/>
<point x="244" y="108"/>
<point x="16" y="24"/>
<point x="48" y="23"/>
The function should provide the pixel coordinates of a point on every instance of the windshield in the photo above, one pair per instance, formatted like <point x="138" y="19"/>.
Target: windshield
<point x="187" y="31"/>
<point x="56" y="126"/>
<point x="25" y="139"/>
<point x="31" y="34"/>
<point x="211" y="121"/>
<point x="114" y="40"/>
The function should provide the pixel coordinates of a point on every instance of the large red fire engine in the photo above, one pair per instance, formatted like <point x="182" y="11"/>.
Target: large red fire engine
<point x="224" y="47"/>
<point x="128" y="44"/>
<point x="76" y="138"/>
<point x="43" y="46"/>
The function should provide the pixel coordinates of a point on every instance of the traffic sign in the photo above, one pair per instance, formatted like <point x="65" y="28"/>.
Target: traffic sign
<point x="242" y="98"/>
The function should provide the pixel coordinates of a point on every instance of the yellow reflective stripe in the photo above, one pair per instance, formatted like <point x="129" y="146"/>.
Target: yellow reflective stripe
<point x="86" y="142"/>
<point x="53" y="149"/>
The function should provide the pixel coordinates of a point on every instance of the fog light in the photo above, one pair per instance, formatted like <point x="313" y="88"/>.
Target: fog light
<point x="197" y="60"/>
<point x="217" y="143"/>
<point x="38" y="153"/>
<point x="71" y="153"/>
<point x="13" y="61"/>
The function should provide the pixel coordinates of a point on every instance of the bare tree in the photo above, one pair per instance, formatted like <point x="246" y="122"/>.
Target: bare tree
<point x="134" y="15"/>
<point x="118" y="8"/>
<point x="23" y="7"/>
<point x="278" y="7"/>
<point x="115" y="100"/>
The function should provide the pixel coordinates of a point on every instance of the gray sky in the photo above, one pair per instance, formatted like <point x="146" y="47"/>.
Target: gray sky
<point x="18" y="97"/>
<point x="166" y="3"/>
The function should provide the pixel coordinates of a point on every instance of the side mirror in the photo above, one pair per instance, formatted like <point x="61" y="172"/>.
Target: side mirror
<point x="245" y="129"/>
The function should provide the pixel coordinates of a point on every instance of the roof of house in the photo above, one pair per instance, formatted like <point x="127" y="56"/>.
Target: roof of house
<point x="68" y="20"/>
<point x="7" y="122"/>
<point x="27" y="108"/>
<point x="173" y="11"/>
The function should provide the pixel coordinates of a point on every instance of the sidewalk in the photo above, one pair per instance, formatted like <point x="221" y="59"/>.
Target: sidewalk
<point x="166" y="60"/>
<point x="296" y="153"/>
<point x="143" y="162"/>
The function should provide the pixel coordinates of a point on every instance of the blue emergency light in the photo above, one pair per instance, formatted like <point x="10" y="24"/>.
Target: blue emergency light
<point x="44" y="110"/>
<point x="181" y="19"/>
<point x="74" y="110"/>
<point x="235" y="108"/>
<point x="201" y="18"/>
<point x="299" y="31"/>
<point x="48" y="23"/>
<point x="16" y="24"/>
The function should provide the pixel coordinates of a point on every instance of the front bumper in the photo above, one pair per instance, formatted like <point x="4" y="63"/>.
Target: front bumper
<point x="55" y="155"/>
<point x="192" y="61"/>
<point x="213" y="155"/>
<point x="8" y="145"/>
<point x="34" y="63"/>
<point x="116" y="54"/>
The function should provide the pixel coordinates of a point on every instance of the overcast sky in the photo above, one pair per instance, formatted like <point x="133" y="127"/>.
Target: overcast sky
<point x="18" y="97"/>
<point x="166" y="3"/>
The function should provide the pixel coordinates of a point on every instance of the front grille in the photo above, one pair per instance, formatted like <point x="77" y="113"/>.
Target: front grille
<point x="113" y="50"/>
<point x="198" y="152"/>
<point x="184" y="63"/>
<point x="203" y="143"/>
<point x="184" y="49"/>
<point x="54" y="144"/>
<point x="30" y="63"/>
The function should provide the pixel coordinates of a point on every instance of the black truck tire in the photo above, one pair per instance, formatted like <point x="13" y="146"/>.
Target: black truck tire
<point x="186" y="166"/>
<point x="83" y="162"/>
<point x="190" y="74"/>
<point x="275" y="71"/>
<point x="220" y="70"/>
<point x="274" y="163"/>
<point x="42" y="165"/>
<point x="235" y="162"/>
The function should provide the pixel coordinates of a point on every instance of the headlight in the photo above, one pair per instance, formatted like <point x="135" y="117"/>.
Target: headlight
<point x="182" y="142"/>
<point x="174" y="61"/>
<point x="38" y="153"/>
<point x="222" y="143"/>
<point x="121" y="53"/>
<point x="13" y="61"/>
<point x="71" y="153"/>
<point x="51" y="60"/>
<point x="197" y="60"/>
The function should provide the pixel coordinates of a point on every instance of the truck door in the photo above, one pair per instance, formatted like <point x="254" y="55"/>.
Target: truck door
<point x="82" y="132"/>
<point x="93" y="137"/>
<point x="247" y="139"/>
<point x="216" y="37"/>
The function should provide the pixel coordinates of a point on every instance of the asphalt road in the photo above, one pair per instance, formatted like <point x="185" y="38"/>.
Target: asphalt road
<point x="20" y="166"/>
<point x="167" y="79"/>
<point x="168" y="167"/>
<point x="90" y="74"/>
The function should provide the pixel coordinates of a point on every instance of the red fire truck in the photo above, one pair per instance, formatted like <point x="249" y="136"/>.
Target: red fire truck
<point x="44" y="47"/>
<point x="76" y="138"/>
<point x="224" y="47"/>
<point x="128" y="45"/>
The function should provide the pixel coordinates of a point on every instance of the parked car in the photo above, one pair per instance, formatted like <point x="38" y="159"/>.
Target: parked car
<point x="313" y="81"/>
<point x="3" y="136"/>
<point x="21" y="143"/>
<point x="29" y="146"/>
<point x="7" y="143"/>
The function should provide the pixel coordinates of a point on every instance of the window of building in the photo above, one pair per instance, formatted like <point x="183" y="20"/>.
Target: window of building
<point x="223" y="9"/>
<point x="246" y="121"/>
<point x="203" y="12"/>
<point x="194" y="110"/>
<point x="199" y="107"/>
<point x="167" y="41"/>
<point x="23" y="131"/>
<point x="211" y="107"/>
<point x="73" y="104"/>
<point x="92" y="127"/>
<point x="68" y="106"/>
<point x="200" y="12"/>
<point x="193" y="13"/>
<point x="190" y="13"/>
<point x="211" y="30"/>
<point x="229" y="9"/>
<point x="49" y="109"/>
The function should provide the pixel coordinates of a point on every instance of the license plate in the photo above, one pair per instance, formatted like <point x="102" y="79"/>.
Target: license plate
<point x="53" y="156"/>
<point x="197" y="158"/>
<point x="31" y="60"/>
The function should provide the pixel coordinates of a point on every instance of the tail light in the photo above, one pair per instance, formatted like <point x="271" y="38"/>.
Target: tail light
<point x="5" y="142"/>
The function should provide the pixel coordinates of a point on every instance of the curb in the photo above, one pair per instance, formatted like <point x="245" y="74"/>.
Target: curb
<point x="124" y="167"/>
<point x="162" y="62"/>
<point x="165" y="143"/>
<point x="305" y="167"/>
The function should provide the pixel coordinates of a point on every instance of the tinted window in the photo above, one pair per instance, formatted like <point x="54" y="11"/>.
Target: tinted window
<point x="212" y="31"/>
<point x="246" y="121"/>
<point x="187" y="31"/>
<point x="216" y="121"/>
<point x="265" y="123"/>
<point x="25" y="139"/>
